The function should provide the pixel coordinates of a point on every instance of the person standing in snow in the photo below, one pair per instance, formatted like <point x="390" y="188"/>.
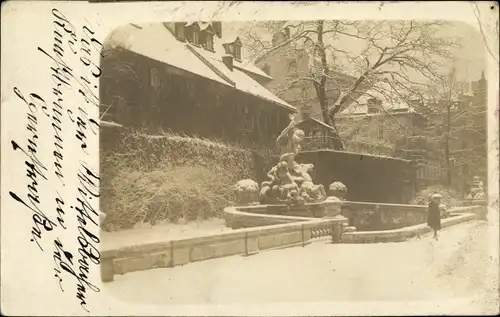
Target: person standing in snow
<point x="434" y="214"/>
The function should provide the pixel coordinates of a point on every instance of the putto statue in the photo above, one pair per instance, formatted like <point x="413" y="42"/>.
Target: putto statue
<point x="290" y="182"/>
<point x="290" y="138"/>
<point x="476" y="190"/>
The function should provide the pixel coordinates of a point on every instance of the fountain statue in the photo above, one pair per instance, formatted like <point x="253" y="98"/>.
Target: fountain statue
<point x="246" y="192"/>
<point x="289" y="182"/>
<point x="476" y="190"/>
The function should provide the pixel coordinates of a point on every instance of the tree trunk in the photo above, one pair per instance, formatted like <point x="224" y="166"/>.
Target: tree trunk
<point x="320" y="85"/>
<point x="447" y="145"/>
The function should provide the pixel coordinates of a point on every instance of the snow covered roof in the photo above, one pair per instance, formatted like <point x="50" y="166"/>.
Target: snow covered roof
<point x="157" y="42"/>
<point x="390" y="101"/>
<point x="241" y="81"/>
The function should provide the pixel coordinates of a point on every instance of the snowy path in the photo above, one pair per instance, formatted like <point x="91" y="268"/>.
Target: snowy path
<point x="458" y="265"/>
<point x="145" y="233"/>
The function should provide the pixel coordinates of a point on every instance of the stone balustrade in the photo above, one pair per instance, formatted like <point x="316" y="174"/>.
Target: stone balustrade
<point x="403" y="234"/>
<point x="258" y="230"/>
<point x="475" y="202"/>
<point x="377" y="216"/>
<point x="262" y="232"/>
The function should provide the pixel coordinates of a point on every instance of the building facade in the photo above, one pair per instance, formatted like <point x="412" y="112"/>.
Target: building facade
<point x="185" y="77"/>
<point x="290" y="66"/>
<point x="410" y="135"/>
<point x="318" y="135"/>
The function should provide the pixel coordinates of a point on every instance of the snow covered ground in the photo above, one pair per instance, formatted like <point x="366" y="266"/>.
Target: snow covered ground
<point x="459" y="265"/>
<point x="145" y="233"/>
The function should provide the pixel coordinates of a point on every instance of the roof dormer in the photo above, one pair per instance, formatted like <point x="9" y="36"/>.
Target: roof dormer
<point x="207" y="33"/>
<point x="178" y="31"/>
<point x="192" y="33"/>
<point x="234" y="48"/>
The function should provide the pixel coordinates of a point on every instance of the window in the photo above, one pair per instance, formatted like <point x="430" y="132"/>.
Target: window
<point x="179" y="31"/>
<point x="230" y="49"/>
<point x="206" y="36"/>
<point x="292" y="67"/>
<point x="372" y="106"/>
<point x="196" y="39"/>
<point x="189" y="34"/>
<point x="155" y="82"/>
<point x="209" y="44"/>
<point x="380" y="131"/>
<point x="192" y="33"/>
<point x="234" y="48"/>
<point x="237" y="52"/>
<point x="248" y="118"/>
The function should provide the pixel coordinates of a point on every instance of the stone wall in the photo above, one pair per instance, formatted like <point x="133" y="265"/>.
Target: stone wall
<point x="256" y="216"/>
<point x="368" y="178"/>
<point x="246" y="241"/>
<point x="475" y="202"/>
<point x="403" y="234"/>
<point x="373" y="216"/>
<point x="363" y="216"/>
<point x="264" y="215"/>
<point x="263" y="232"/>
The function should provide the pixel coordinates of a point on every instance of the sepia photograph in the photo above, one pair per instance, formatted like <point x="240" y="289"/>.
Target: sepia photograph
<point x="243" y="158"/>
<point x="349" y="158"/>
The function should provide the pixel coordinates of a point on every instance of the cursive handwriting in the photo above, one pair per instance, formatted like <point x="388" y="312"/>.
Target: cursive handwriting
<point x="64" y="261"/>
<point x="74" y="70"/>
<point x="80" y="266"/>
<point x="35" y="169"/>
<point x="83" y="122"/>
<point x="87" y="239"/>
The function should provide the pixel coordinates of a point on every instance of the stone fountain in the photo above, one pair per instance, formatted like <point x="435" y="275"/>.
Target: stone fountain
<point x="289" y="182"/>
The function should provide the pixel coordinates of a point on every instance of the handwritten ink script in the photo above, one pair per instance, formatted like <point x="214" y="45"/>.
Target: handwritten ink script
<point x="65" y="110"/>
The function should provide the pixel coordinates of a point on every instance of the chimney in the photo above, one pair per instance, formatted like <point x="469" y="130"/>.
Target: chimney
<point x="482" y="81"/>
<point x="217" y="26"/>
<point x="287" y="33"/>
<point x="228" y="61"/>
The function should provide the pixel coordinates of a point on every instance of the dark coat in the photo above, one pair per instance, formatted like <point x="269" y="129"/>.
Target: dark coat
<point x="434" y="216"/>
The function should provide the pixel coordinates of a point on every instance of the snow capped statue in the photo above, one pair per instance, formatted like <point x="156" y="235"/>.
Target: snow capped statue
<point x="290" y="138"/>
<point x="477" y="189"/>
<point x="288" y="181"/>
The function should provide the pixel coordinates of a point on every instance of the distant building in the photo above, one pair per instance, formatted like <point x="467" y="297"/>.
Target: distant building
<point x="467" y="141"/>
<point x="318" y="135"/>
<point x="187" y="77"/>
<point x="377" y="120"/>
<point x="384" y="119"/>
<point x="289" y="66"/>
<point x="472" y="135"/>
<point x="370" y="109"/>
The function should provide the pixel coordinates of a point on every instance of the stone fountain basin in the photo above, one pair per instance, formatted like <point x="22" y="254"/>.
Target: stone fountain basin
<point x="262" y="215"/>
<point x="375" y="222"/>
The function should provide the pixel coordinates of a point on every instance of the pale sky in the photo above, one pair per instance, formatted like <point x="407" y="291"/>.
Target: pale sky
<point x="470" y="59"/>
